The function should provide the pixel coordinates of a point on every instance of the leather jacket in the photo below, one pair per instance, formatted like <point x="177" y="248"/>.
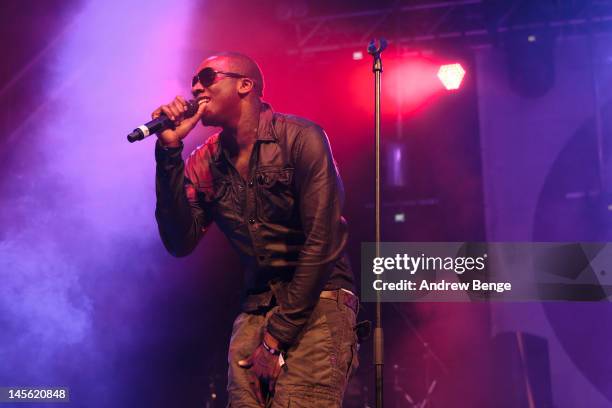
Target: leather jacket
<point x="284" y="220"/>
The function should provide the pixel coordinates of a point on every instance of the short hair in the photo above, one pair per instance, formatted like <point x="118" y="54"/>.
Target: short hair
<point x="245" y="65"/>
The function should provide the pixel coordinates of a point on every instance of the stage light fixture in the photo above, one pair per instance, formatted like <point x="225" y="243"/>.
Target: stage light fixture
<point x="357" y="55"/>
<point x="451" y="76"/>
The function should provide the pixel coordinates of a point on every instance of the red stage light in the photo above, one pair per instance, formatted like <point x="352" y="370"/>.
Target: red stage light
<point x="409" y="84"/>
<point x="451" y="76"/>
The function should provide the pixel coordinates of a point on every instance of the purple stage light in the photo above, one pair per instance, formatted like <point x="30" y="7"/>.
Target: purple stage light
<point x="78" y="204"/>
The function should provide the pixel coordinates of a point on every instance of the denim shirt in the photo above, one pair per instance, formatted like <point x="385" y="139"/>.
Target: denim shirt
<point x="284" y="220"/>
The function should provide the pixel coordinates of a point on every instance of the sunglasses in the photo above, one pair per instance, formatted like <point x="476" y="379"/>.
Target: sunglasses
<point x="207" y="77"/>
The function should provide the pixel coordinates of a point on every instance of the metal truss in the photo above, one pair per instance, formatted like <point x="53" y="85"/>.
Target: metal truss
<point x="473" y="22"/>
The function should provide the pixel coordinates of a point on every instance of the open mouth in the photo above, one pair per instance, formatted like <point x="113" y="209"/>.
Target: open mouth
<point x="204" y="99"/>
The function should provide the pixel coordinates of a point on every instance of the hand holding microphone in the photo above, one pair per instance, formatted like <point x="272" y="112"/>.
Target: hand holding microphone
<point x="171" y="122"/>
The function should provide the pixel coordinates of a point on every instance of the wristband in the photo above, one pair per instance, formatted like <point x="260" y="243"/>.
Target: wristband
<point x="269" y="349"/>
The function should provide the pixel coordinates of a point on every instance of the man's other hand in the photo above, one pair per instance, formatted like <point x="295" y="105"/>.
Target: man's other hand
<point x="264" y="366"/>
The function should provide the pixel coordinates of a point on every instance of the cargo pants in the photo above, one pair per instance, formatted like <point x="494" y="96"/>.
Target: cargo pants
<point x="318" y="365"/>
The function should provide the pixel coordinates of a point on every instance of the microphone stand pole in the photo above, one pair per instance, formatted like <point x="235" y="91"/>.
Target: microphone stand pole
<point x="375" y="50"/>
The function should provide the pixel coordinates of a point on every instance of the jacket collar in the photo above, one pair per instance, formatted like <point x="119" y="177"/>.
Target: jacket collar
<point x="265" y="130"/>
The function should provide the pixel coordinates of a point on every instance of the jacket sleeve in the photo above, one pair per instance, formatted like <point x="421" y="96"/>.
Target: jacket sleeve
<point x="181" y="218"/>
<point x="321" y="197"/>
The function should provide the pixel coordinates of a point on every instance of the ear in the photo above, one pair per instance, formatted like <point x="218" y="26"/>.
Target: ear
<point x="245" y="86"/>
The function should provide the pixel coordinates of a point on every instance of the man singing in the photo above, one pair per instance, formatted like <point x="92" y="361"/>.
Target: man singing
<point x="270" y="183"/>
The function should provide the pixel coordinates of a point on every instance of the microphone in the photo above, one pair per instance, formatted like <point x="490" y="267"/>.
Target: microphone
<point x="161" y="123"/>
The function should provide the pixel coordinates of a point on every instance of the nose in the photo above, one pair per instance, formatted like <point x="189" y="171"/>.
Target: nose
<point x="197" y="89"/>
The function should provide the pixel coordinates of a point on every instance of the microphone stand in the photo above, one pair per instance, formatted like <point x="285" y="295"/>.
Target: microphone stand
<point x="375" y="49"/>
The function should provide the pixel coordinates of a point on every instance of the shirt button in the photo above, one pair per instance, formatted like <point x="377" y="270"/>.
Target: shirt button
<point x="251" y="183"/>
<point x="252" y="221"/>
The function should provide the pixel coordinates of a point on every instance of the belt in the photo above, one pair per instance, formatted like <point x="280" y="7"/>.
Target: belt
<point x="342" y="296"/>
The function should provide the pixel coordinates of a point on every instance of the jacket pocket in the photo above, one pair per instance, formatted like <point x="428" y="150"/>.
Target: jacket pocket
<point x="219" y="198"/>
<point x="274" y="194"/>
<point x="214" y="191"/>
